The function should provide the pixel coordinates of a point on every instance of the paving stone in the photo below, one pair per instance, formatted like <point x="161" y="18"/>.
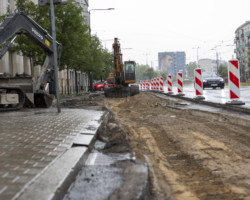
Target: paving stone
<point x="30" y="140"/>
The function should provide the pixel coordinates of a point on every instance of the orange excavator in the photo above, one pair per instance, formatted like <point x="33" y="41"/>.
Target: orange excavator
<point x="123" y="76"/>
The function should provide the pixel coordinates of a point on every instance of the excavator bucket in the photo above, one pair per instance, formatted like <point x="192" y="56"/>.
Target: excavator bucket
<point x="43" y="100"/>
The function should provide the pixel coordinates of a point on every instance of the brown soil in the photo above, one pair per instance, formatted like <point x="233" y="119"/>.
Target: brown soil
<point x="189" y="157"/>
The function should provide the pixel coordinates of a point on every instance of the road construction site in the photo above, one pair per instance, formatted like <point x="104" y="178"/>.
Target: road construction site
<point x="191" y="153"/>
<point x="148" y="146"/>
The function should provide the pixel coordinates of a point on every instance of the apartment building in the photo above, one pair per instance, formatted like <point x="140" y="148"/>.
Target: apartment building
<point x="13" y="63"/>
<point x="84" y="5"/>
<point x="242" y="41"/>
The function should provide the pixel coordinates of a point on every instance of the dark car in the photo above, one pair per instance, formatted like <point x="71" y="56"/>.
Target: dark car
<point x="212" y="80"/>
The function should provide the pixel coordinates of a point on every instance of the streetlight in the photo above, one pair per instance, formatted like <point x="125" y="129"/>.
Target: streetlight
<point x="106" y="41"/>
<point x="100" y="9"/>
<point x="53" y="27"/>
<point x="197" y="56"/>
<point x="217" y="56"/>
<point x="146" y="54"/>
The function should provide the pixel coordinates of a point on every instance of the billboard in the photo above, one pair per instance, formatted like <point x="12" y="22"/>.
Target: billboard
<point x="172" y="62"/>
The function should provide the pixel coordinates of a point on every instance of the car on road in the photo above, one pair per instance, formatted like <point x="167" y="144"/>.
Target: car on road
<point x="212" y="80"/>
<point x="100" y="86"/>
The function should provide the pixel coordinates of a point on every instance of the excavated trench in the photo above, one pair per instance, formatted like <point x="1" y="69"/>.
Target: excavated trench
<point x="190" y="154"/>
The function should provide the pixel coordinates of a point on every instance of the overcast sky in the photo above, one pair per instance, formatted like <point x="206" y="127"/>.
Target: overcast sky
<point x="146" y="27"/>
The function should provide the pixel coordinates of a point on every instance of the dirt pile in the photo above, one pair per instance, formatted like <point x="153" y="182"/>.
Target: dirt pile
<point x="189" y="157"/>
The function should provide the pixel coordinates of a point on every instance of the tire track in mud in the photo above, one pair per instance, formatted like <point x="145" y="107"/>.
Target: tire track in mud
<point x="189" y="157"/>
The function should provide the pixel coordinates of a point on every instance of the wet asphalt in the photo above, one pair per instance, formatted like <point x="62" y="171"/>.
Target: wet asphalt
<point x="216" y="95"/>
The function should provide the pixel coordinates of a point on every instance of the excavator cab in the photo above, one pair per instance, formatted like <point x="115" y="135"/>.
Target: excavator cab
<point x="129" y="72"/>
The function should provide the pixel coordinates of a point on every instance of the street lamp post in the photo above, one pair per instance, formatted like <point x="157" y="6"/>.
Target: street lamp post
<point x="101" y="9"/>
<point x="55" y="54"/>
<point x="90" y="73"/>
<point x="197" y="56"/>
<point x="52" y="13"/>
<point x="217" y="57"/>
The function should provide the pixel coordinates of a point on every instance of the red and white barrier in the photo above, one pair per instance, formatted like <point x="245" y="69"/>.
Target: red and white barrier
<point x="198" y="84"/>
<point x="147" y="85"/>
<point x="234" y="79"/>
<point x="169" y="80"/>
<point x="234" y="82"/>
<point x="161" y="84"/>
<point x="140" y="86"/>
<point x="154" y="83"/>
<point x="180" y="83"/>
<point x="158" y="83"/>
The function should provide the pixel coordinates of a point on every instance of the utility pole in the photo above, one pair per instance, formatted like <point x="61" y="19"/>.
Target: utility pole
<point x="197" y="56"/>
<point x="53" y="28"/>
<point x="217" y="57"/>
<point x="147" y="54"/>
<point x="55" y="54"/>
<point x="217" y="62"/>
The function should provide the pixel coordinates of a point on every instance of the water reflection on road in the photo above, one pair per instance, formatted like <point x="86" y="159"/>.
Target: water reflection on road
<point x="216" y="95"/>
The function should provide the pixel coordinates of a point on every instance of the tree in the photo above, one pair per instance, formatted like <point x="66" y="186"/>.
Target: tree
<point x="190" y="69"/>
<point x="223" y="71"/>
<point x="143" y="72"/>
<point x="81" y="51"/>
<point x="248" y="64"/>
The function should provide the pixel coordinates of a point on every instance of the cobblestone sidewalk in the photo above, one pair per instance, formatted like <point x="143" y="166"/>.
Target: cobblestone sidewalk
<point x="32" y="139"/>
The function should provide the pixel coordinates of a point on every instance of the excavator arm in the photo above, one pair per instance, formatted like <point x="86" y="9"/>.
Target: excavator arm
<point x="15" y="24"/>
<point x="19" y="23"/>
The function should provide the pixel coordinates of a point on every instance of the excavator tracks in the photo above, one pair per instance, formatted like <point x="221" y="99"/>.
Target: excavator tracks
<point x="7" y="89"/>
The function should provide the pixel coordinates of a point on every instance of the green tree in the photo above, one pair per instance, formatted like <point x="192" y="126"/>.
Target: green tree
<point x="143" y="72"/>
<point x="108" y="64"/>
<point x="81" y="51"/>
<point x="248" y="64"/>
<point x="223" y="71"/>
<point x="190" y="69"/>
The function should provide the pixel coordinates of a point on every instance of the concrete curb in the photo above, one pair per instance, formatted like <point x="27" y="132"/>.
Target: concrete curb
<point x="221" y="117"/>
<point x="55" y="180"/>
<point x="209" y="103"/>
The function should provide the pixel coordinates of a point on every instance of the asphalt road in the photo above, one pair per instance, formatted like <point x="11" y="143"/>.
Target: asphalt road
<point x="216" y="95"/>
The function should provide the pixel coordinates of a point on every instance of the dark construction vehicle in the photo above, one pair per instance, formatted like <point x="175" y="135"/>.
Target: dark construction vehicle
<point x="21" y="91"/>
<point x="123" y="77"/>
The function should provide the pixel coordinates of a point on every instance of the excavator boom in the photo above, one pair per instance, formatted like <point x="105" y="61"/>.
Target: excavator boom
<point x="16" y="92"/>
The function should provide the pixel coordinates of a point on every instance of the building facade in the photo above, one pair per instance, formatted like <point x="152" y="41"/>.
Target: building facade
<point x="172" y="62"/>
<point x="84" y="5"/>
<point x="242" y="41"/>
<point x="13" y="63"/>
<point x="208" y="65"/>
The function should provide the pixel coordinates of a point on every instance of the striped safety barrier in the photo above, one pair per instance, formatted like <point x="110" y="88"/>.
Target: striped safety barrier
<point x="161" y="84"/>
<point x="180" y="83"/>
<point x="154" y="81"/>
<point x="234" y="79"/>
<point x="234" y="82"/>
<point x="147" y="85"/>
<point x="198" y="85"/>
<point x="158" y="83"/>
<point x="169" y="80"/>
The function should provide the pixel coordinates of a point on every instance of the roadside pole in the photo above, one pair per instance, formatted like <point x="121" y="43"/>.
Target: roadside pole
<point x="55" y="54"/>
<point x="53" y="28"/>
